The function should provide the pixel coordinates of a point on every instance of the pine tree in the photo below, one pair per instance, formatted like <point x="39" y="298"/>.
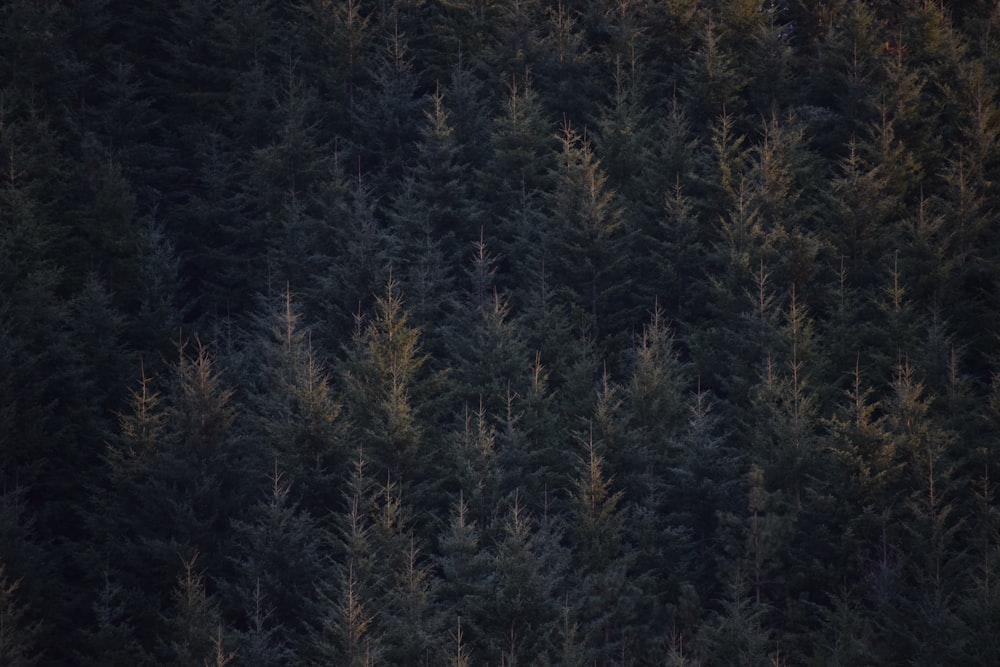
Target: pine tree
<point x="528" y="567"/>
<point x="588" y="246"/>
<point x="679" y="250"/>
<point x="932" y="528"/>
<point x="720" y="166"/>
<point x="736" y="634"/>
<point x="434" y="219"/>
<point x="175" y="483"/>
<point x="513" y="182"/>
<point x="350" y="624"/>
<point x="963" y="208"/>
<point x="466" y="581"/>
<point x="192" y="625"/>
<point x="466" y="32"/>
<point x="158" y="313"/>
<point x="388" y="389"/>
<point x="846" y="633"/>
<point x="59" y="325"/>
<point x="362" y="249"/>
<point x="213" y="72"/>
<point x="756" y="543"/>
<point x="564" y="65"/>
<point x="260" y="642"/>
<point x="784" y="176"/>
<point x="112" y="641"/>
<point x="532" y="445"/>
<point x="701" y="488"/>
<point x="515" y="48"/>
<point x="477" y="472"/>
<point x="335" y="48"/>
<point x="440" y="179"/>
<point x="287" y="183"/>
<point x="604" y="590"/>
<point x="863" y="445"/>
<point x="345" y="629"/>
<point x="655" y="395"/>
<point x="626" y="137"/>
<point x="469" y="102"/>
<point x="775" y="76"/>
<point x="711" y="86"/>
<point x="295" y="414"/>
<point x="276" y="561"/>
<point x="486" y="338"/>
<point x="426" y="273"/>
<point x="18" y="634"/>
<point x="848" y="73"/>
<point x="572" y="650"/>
<point x="784" y="434"/>
<point x="980" y="601"/>
<point x="900" y="318"/>
<point x="460" y="657"/>
<point x="387" y="111"/>
<point x="411" y="622"/>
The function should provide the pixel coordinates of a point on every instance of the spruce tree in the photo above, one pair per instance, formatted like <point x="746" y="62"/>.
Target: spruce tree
<point x="295" y="414"/>
<point x="192" y="625"/>
<point x="513" y="182"/>
<point x="588" y="247"/>
<point x="287" y="186"/>
<point x="930" y="523"/>
<point x="112" y="641"/>
<point x="528" y="570"/>
<point x="737" y="634"/>
<point x="980" y="600"/>
<point x="175" y="482"/>
<point x="710" y="82"/>
<point x="18" y="634"/>
<point x="564" y="65"/>
<point x="487" y="338"/>
<point x="362" y="249"/>
<point x="389" y="392"/>
<point x="605" y="591"/>
<point x="655" y="397"/>
<point x="679" y="251"/>
<point x="345" y="629"/>
<point x="465" y="581"/>
<point x="434" y="220"/>
<point x="336" y="48"/>
<point x="276" y="562"/>
<point x="477" y="471"/>
<point x="516" y="49"/>
<point x="388" y="109"/>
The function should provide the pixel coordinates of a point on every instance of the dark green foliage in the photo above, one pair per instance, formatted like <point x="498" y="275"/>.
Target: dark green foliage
<point x="387" y="389"/>
<point x="225" y="438"/>
<point x="193" y="631"/>
<point x="387" y="109"/>
<point x="113" y="640"/>
<point x="277" y="563"/>
<point x="587" y="247"/>
<point x="607" y="589"/>
<point x="18" y="634"/>
<point x="344" y="629"/>
<point x="466" y="580"/>
<point x="529" y="566"/>
<point x="736" y="633"/>
<point x="296" y="419"/>
<point x="335" y="45"/>
<point x="514" y="181"/>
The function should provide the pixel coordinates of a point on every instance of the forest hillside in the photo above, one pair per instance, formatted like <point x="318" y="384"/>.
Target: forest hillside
<point x="499" y="332"/>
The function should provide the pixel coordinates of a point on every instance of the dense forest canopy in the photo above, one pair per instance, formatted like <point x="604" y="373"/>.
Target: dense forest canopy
<point x="513" y="332"/>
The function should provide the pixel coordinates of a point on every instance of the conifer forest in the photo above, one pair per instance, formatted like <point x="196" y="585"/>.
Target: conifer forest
<point x="499" y="333"/>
